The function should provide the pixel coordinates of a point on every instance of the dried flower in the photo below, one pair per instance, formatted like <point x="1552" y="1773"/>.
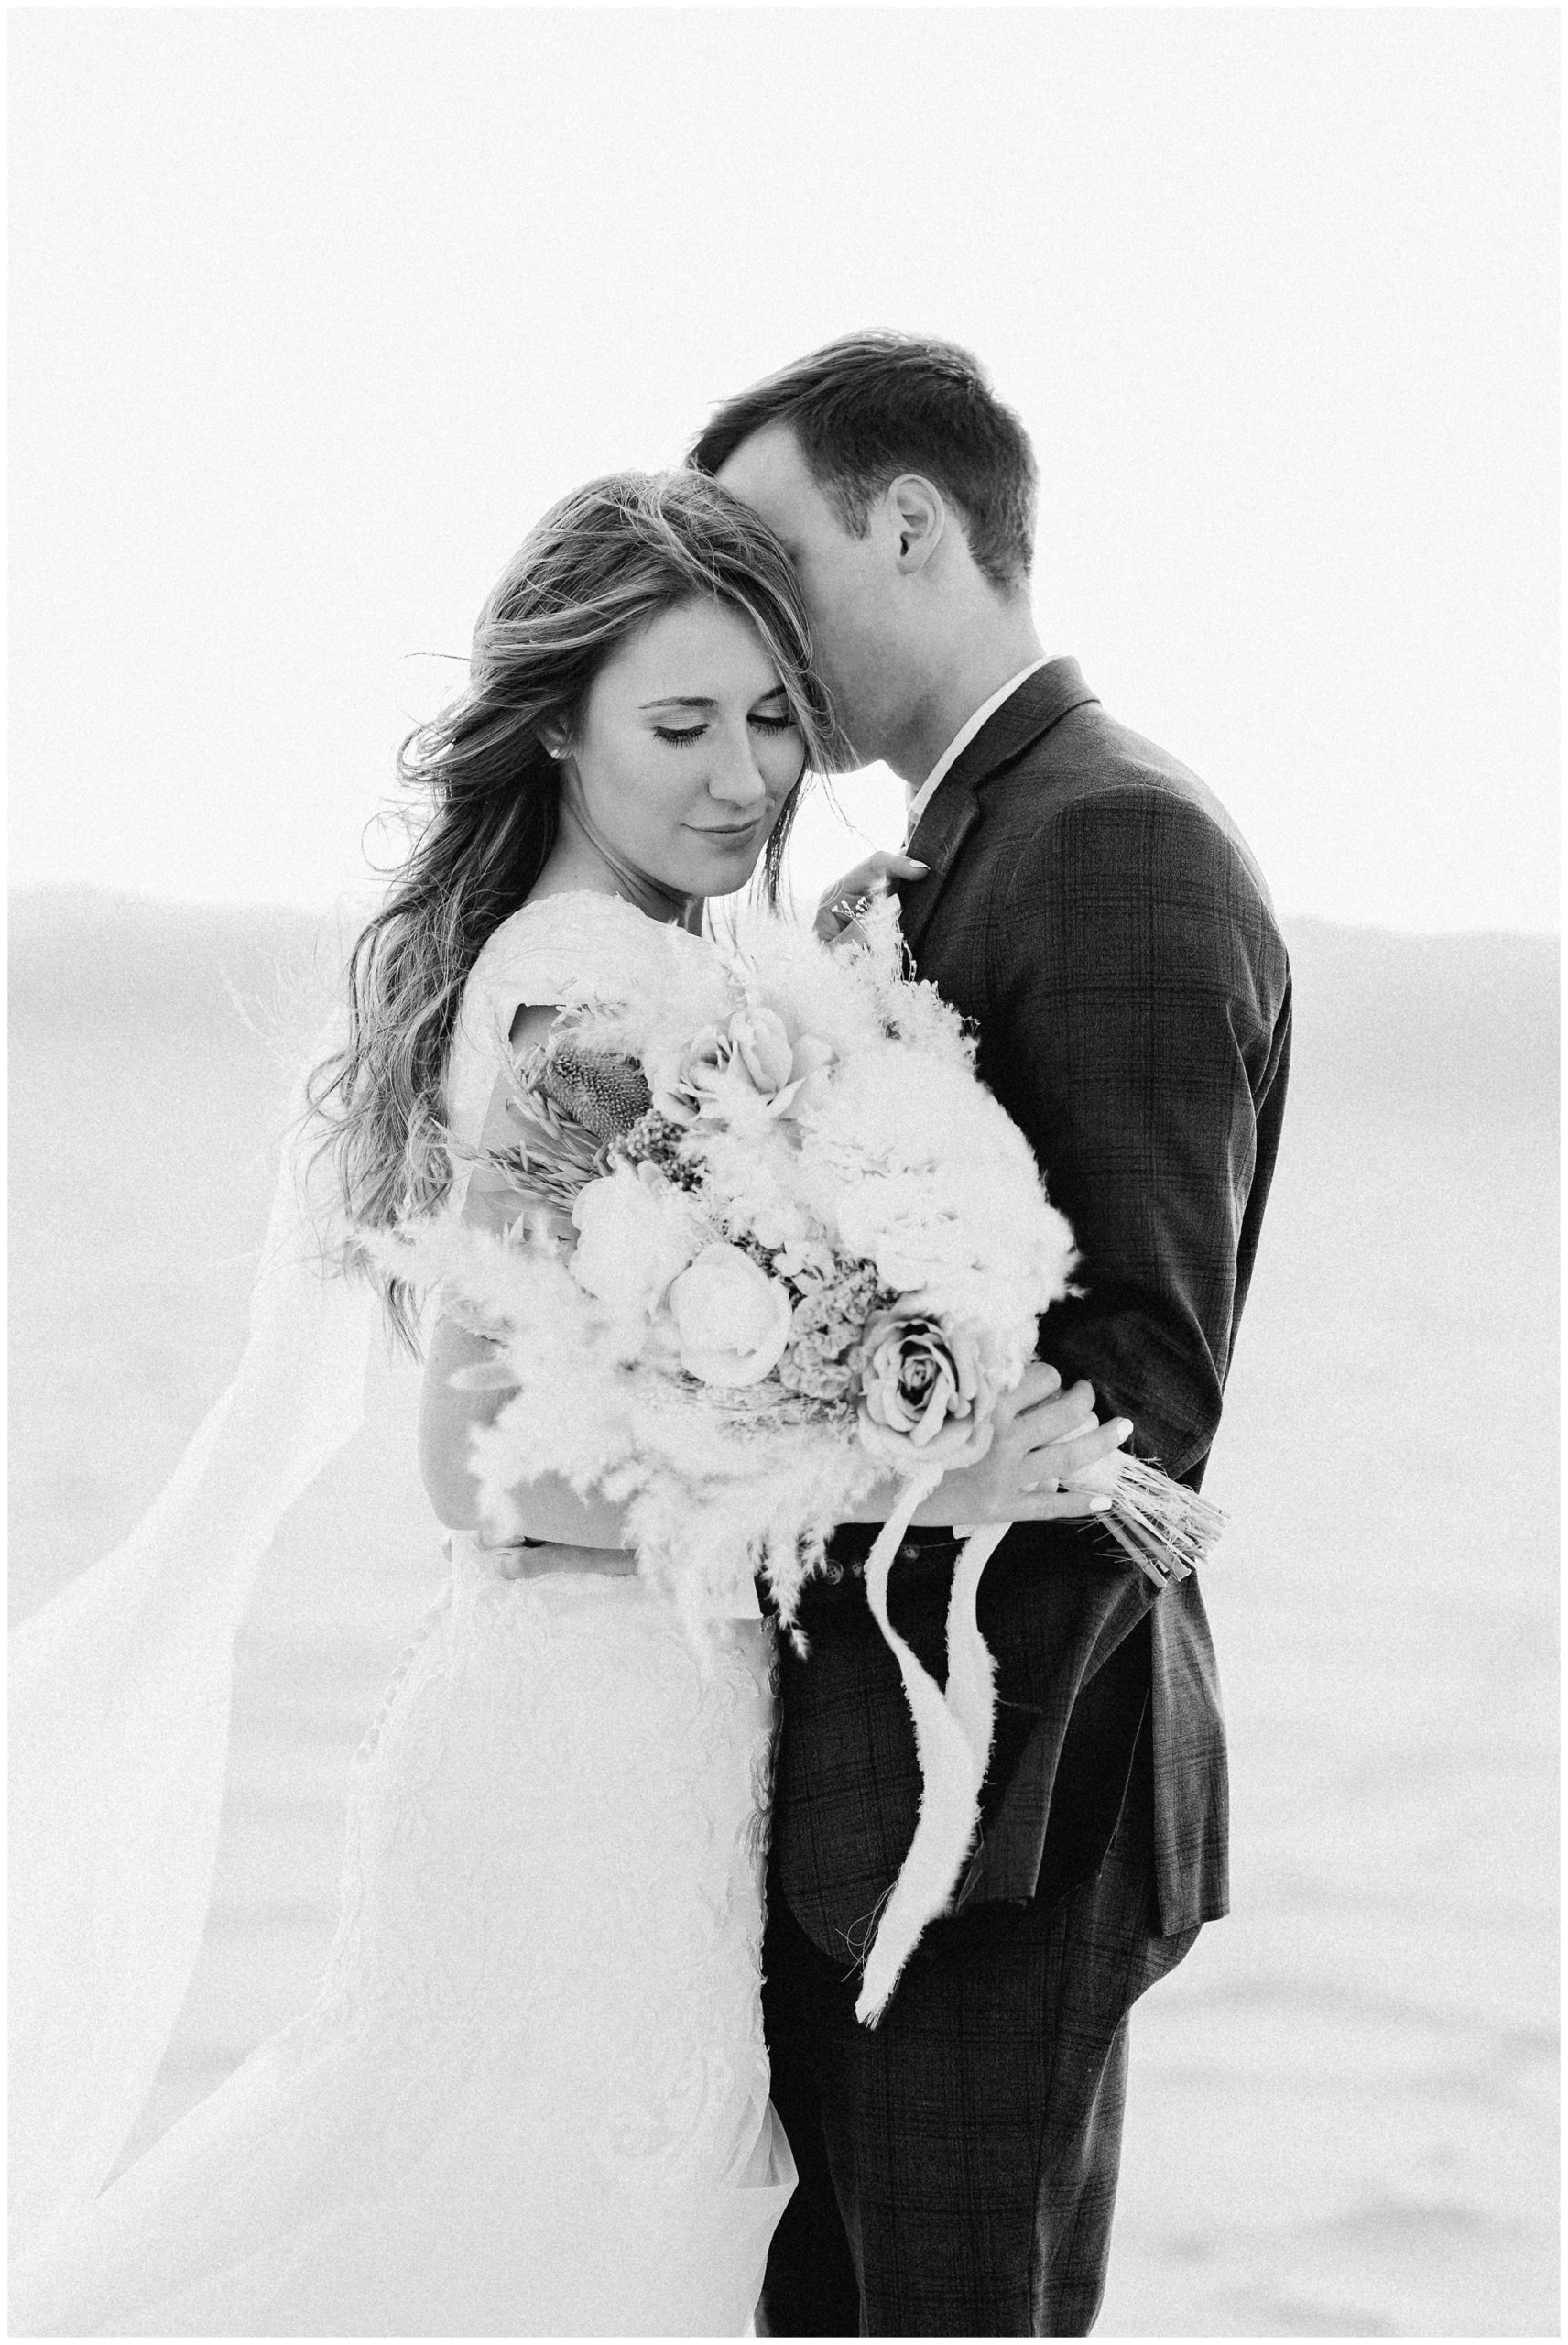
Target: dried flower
<point x="655" y="1140"/>
<point x="553" y="1157"/>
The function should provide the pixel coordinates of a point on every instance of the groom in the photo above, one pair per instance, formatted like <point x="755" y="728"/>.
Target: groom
<point x="1091" y="907"/>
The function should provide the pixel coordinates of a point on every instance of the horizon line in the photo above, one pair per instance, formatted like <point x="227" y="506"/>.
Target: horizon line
<point x="367" y="890"/>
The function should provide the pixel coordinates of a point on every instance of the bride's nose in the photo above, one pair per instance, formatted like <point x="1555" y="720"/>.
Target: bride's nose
<point x="734" y="777"/>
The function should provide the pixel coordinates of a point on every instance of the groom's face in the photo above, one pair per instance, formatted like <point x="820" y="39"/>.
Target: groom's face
<point x="846" y="583"/>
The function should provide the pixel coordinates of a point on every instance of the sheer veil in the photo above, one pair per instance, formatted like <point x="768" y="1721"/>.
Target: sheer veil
<point x="120" y="1701"/>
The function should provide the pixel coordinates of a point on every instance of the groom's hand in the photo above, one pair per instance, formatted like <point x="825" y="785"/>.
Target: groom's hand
<point x="1043" y="1436"/>
<point x="836" y="921"/>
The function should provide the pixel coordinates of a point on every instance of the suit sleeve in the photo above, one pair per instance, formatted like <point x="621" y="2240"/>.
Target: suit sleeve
<point x="1142" y="978"/>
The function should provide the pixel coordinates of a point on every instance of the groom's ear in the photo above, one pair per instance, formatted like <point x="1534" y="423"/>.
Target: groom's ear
<point x="916" y="517"/>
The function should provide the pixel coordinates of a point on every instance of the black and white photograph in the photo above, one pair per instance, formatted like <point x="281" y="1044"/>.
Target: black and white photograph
<point x="784" y="1036"/>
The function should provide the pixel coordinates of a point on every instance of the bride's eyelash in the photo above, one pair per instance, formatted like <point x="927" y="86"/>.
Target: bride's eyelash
<point x="683" y="739"/>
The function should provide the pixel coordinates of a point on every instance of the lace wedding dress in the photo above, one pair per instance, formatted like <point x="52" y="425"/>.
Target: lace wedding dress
<point x="531" y="2096"/>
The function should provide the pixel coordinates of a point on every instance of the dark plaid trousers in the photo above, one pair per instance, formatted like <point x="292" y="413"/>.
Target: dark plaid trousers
<point x="958" y="2162"/>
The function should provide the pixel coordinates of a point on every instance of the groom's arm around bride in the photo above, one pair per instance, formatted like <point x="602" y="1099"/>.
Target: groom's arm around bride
<point x="1092" y="908"/>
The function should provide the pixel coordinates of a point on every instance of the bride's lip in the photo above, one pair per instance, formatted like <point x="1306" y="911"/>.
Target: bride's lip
<point x="724" y="830"/>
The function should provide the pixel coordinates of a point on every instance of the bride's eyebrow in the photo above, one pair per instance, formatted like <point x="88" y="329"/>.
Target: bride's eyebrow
<point x="696" y="700"/>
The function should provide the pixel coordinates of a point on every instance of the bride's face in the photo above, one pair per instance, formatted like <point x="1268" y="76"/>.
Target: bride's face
<point x="684" y="751"/>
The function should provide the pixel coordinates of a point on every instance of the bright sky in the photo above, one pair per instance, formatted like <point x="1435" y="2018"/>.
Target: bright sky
<point x="314" y="310"/>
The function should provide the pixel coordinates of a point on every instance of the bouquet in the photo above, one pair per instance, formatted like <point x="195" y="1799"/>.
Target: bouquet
<point x="773" y="1243"/>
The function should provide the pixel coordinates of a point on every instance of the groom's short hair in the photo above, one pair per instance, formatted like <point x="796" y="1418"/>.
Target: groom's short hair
<point x="871" y="406"/>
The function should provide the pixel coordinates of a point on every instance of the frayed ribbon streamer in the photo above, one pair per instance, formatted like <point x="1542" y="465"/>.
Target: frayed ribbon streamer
<point x="952" y="1740"/>
<point x="1165" y="1528"/>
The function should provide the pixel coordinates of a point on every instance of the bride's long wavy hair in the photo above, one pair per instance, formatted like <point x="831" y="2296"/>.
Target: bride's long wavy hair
<point x="601" y="564"/>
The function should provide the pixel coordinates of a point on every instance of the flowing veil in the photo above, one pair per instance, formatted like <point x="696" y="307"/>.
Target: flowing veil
<point x="120" y="1701"/>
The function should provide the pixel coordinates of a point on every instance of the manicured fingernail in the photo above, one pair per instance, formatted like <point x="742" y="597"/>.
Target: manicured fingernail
<point x="1100" y="1506"/>
<point x="1122" y="1427"/>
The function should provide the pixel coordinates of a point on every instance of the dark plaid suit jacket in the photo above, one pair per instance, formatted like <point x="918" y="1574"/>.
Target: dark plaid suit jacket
<point x="1093" y="909"/>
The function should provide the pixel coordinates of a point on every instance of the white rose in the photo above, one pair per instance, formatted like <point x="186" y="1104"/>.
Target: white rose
<point x="635" y="1235"/>
<point x="732" y="1319"/>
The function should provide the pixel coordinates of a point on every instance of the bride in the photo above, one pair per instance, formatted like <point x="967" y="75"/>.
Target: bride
<point x="531" y="2095"/>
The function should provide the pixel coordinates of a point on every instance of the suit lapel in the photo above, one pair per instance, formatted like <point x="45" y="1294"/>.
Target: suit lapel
<point x="947" y="822"/>
<point x="1040" y="701"/>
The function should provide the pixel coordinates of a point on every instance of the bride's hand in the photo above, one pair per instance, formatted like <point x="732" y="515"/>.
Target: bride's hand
<point x="838" y="908"/>
<point x="1043" y="1437"/>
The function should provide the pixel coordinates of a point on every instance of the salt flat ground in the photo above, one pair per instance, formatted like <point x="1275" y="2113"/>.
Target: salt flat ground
<point x="1343" y="2110"/>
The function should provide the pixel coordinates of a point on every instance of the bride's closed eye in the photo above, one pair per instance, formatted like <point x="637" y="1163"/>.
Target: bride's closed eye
<point x="682" y="737"/>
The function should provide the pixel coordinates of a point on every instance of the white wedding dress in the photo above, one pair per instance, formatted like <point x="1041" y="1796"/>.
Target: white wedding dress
<point x="531" y="2096"/>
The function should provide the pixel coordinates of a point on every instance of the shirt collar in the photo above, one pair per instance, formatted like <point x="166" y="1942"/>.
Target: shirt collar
<point x="962" y="738"/>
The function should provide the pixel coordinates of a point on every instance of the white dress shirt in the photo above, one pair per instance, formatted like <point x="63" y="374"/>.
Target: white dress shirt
<point x="961" y="740"/>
